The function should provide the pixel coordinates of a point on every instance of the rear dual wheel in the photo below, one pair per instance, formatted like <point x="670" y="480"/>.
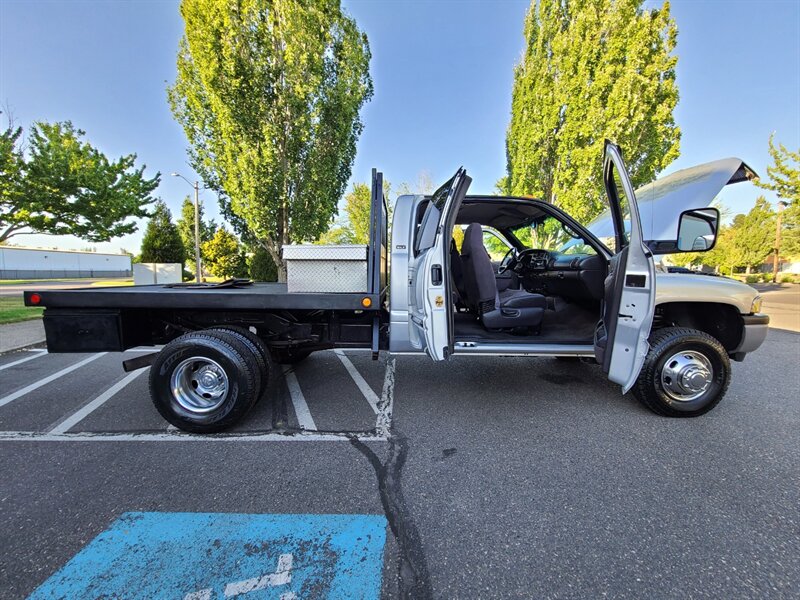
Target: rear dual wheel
<point x="206" y="381"/>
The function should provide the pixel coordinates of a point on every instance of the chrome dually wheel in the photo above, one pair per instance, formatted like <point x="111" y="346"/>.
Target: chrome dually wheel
<point x="199" y="384"/>
<point x="205" y="381"/>
<point x="687" y="375"/>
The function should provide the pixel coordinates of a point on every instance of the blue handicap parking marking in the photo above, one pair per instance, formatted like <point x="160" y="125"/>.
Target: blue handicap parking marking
<point x="206" y="556"/>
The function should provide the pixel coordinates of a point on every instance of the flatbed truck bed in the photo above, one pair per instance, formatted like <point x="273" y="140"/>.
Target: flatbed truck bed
<point x="255" y="296"/>
<point x="286" y="324"/>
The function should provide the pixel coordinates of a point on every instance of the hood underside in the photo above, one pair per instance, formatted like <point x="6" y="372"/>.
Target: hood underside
<point x="662" y="202"/>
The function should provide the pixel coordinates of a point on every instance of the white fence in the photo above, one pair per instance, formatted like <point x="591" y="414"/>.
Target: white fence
<point x="30" y="263"/>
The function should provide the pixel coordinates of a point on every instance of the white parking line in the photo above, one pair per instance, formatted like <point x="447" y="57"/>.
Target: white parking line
<point x="34" y="436"/>
<point x="81" y="414"/>
<point x="371" y="396"/>
<point x="22" y="360"/>
<point x="304" y="417"/>
<point x="46" y="380"/>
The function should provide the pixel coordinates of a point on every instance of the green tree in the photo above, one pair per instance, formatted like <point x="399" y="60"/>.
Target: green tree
<point x="753" y="234"/>
<point x="784" y="180"/>
<point x="269" y="94"/>
<point x="790" y="230"/>
<point x="260" y="266"/>
<point x="161" y="242"/>
<point x="353" y="226"/>
<point x="185" y="224"/>
<point x="224" y="256"/>
<point x="592" y="70"/>
<point x="64" y="186"/>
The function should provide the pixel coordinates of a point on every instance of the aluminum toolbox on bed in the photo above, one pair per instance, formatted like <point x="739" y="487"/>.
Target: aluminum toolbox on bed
<point x="320" y="268"/>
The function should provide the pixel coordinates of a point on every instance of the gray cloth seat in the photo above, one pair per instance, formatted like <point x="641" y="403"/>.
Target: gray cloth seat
<point x="510" y="309"/>
<point x="457" y="275"/>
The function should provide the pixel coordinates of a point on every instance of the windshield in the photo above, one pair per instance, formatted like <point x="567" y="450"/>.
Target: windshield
<point x="548" y="233"/>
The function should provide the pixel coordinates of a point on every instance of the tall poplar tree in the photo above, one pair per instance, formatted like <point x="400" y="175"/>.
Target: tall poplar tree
<point x="269" y="94"/>
<point x="592" y="70"/>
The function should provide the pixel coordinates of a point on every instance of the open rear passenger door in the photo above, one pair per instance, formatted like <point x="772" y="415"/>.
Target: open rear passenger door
<point x="620" y="340"/>
<point x="430" y="284"/>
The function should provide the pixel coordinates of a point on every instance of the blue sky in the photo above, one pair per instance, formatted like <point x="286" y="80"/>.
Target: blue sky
<point x="442" y="72"/>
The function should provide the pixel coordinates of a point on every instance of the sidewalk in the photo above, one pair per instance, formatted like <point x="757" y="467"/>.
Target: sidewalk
<point x="14" y="336"/>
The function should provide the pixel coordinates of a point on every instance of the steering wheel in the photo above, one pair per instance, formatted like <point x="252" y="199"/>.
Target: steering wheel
<point x="509" y="261"/>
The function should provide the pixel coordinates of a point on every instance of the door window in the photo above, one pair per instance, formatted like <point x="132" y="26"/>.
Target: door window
<point x="426" y="234"/>
<point x="623" y="215"/>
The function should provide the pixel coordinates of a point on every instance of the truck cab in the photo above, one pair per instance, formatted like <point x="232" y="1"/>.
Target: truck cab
<point x="528" y="280"/>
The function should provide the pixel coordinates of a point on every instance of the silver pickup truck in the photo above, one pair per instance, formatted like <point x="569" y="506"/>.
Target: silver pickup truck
<point x="523" y="279"/>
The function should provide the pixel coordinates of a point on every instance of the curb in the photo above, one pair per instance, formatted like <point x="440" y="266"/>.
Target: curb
<point x="25" y="346"/>
<point x="22" y="340"/>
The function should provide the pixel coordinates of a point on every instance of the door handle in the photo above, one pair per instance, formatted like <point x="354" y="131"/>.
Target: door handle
<point x="436" y="274"/>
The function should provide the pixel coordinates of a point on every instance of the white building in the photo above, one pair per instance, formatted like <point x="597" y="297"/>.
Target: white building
<point x="34" y="263"/>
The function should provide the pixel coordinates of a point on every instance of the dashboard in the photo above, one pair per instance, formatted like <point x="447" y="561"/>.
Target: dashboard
<point x="556" y="274"/>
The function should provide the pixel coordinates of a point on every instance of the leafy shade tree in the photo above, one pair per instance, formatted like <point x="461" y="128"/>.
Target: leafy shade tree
<point x="162" y="243"/>
<point x="224" y="256"/>
<point x="753" y="235"/>
<point x="790" y="230"/>
<point x="269" y="94"/>
<point x="64" y="186"/>
<point x="784" y="180"/>
<point x="591" y="70"/>
<point x="185" y="226"/>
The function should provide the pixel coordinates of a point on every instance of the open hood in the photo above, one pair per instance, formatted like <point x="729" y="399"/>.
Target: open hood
<point x="662" y="202"/>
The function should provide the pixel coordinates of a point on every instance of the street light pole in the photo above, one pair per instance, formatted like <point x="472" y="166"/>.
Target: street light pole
<point x="196" y="186"/>
<point x="776" y="256"/>
<point x="197" y="268"/>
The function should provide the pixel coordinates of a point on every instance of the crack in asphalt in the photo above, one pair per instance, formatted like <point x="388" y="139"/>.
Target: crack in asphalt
<point x="414" y="579"/>
<point x="412" y="566"/>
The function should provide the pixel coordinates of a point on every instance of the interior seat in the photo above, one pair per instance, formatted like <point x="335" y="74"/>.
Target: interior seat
<point x="509" y="309"/>
<point x="457" y="274"/>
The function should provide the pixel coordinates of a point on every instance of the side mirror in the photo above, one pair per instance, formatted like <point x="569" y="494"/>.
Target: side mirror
<point x="697" y="230"/>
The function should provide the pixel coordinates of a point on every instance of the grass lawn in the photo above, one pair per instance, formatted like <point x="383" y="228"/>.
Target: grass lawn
<point x="112" y="283"/>
<point x="21" y="281"/>
<point x="12" y="310"/>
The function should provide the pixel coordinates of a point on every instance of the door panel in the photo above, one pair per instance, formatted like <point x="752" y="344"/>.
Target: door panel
<point x="629" y="290"/>
<point x="431" y="296"/>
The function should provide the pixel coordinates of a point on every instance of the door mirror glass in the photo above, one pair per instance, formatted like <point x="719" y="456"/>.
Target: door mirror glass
<point x="697" y="230"/>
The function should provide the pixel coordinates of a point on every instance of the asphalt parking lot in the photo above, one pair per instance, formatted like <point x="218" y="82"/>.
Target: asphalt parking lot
<point x="488" y="478"/>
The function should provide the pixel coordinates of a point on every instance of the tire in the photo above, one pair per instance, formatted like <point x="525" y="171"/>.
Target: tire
<point x="257" y="348"/>
<point x="231" y="389"/>
<point x="290" y="356"/>
<point x="681" y="357"/>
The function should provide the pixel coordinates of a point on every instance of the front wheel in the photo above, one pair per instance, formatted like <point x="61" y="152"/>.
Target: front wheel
<point x="686" y="373"/>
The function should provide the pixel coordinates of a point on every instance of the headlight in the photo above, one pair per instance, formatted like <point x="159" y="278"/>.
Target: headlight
<point x="755" y="307"/>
